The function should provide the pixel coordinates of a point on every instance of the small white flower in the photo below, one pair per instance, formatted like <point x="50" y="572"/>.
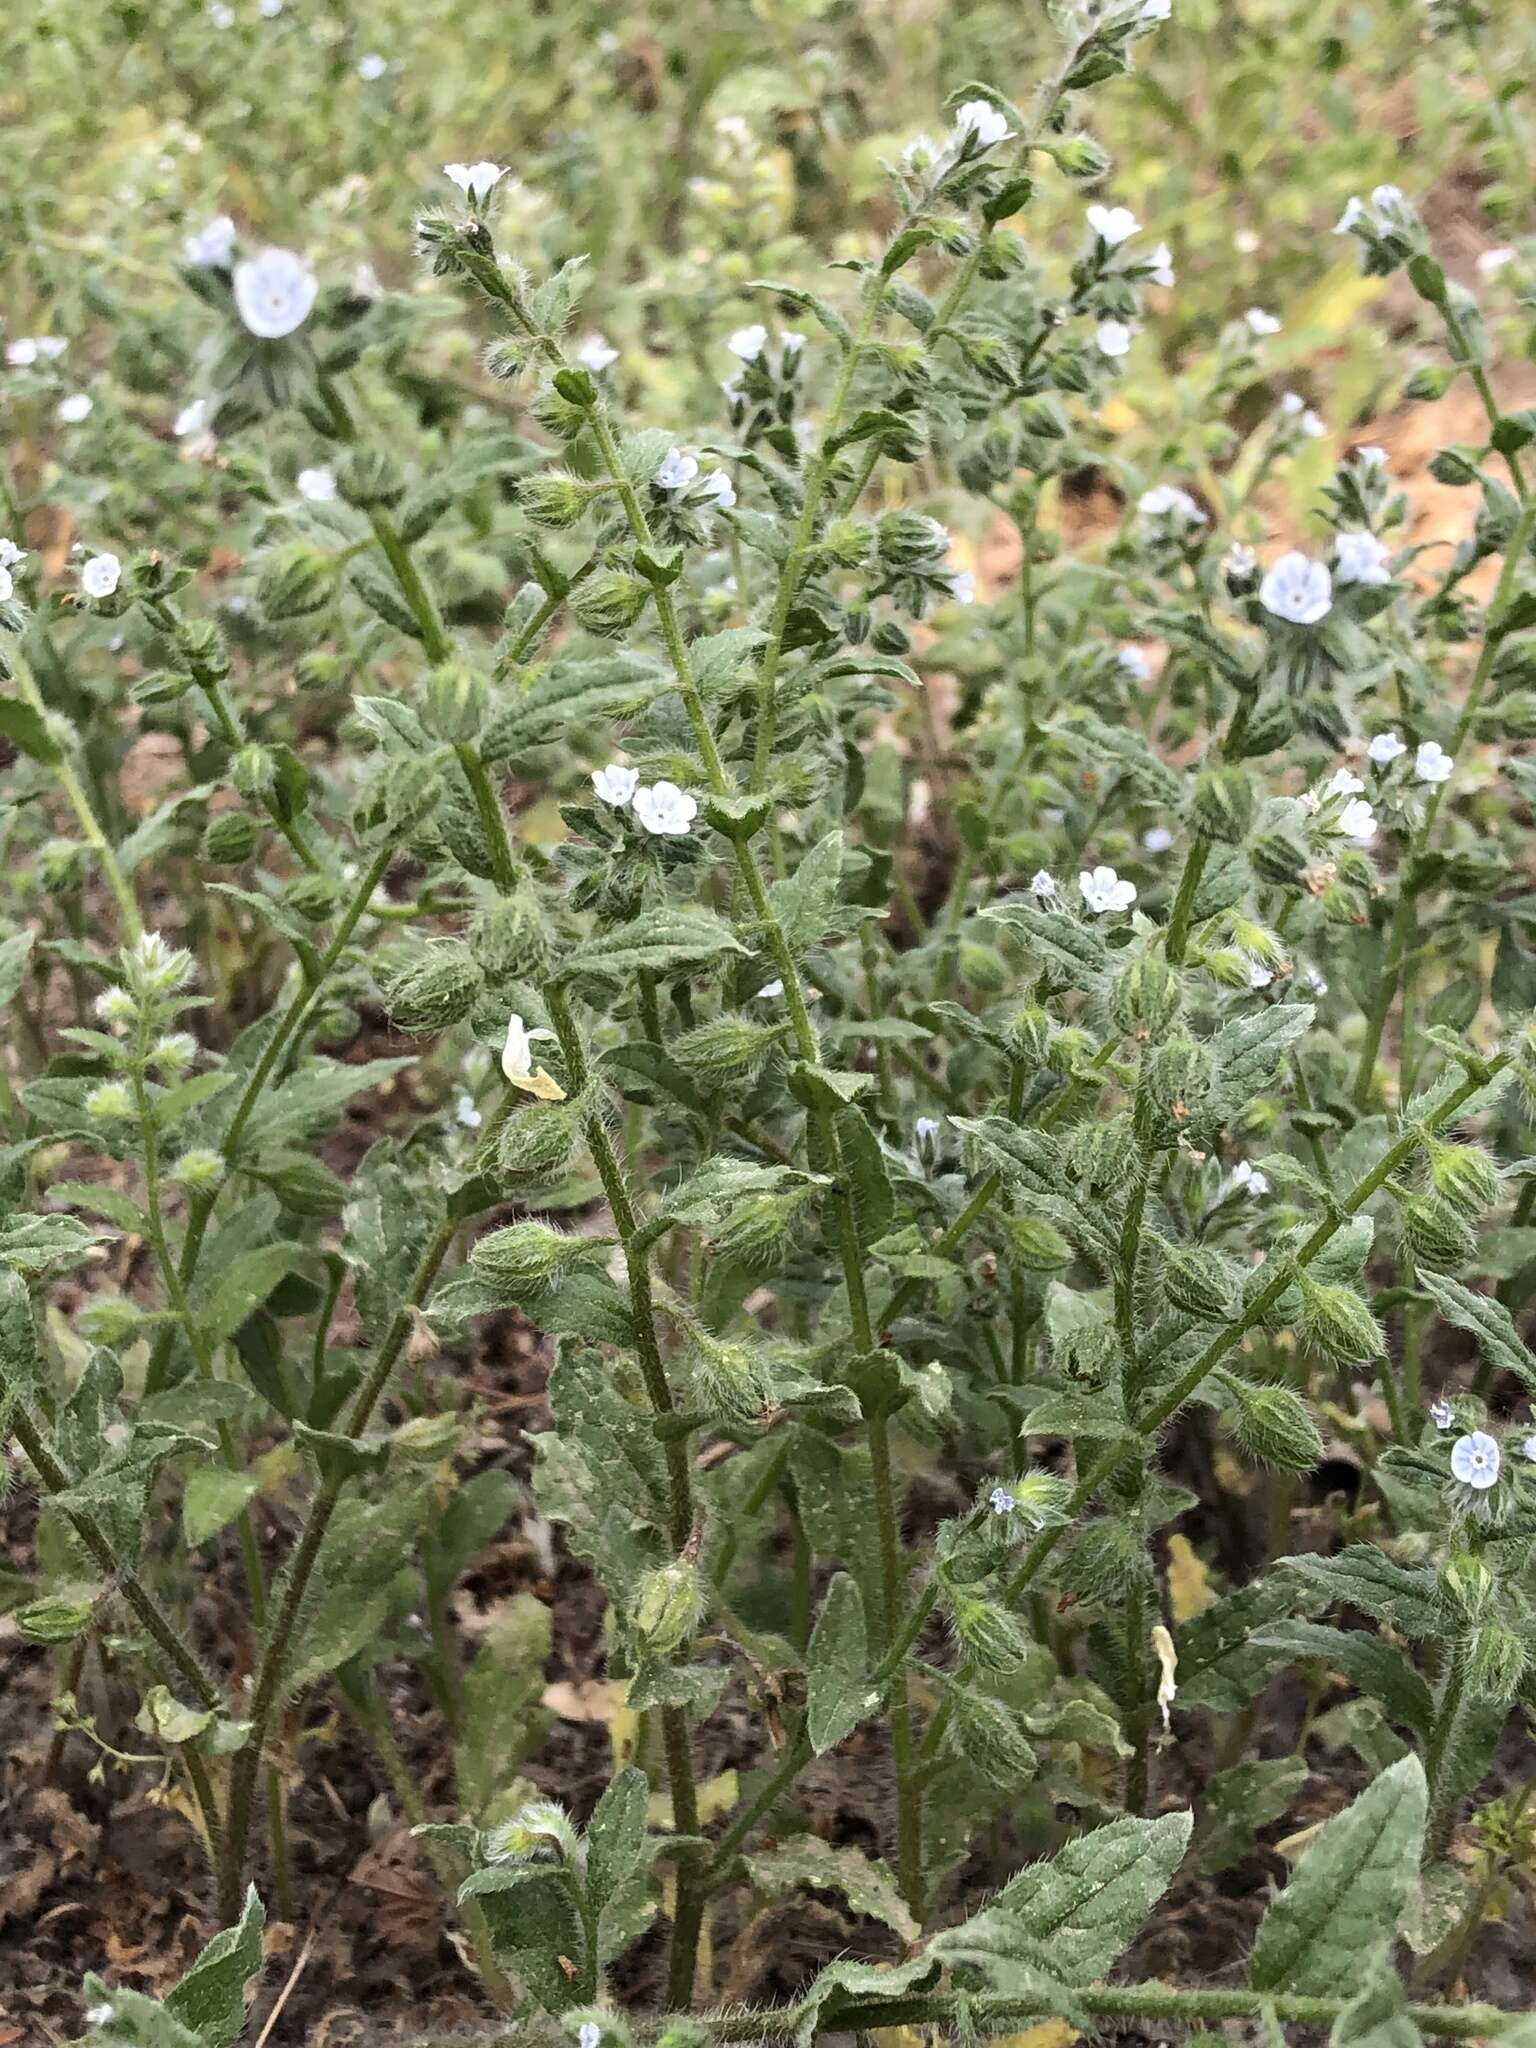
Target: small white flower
<point x="75" y="408"/>
<point x="921" y="153"/>
<point x="191" y="419"/>
<point x="1260" y="323"/>
<point x="1001" y="1501"/>
<point x="1475" y="1460"/>
<point x="1357" y="821"/>
<point x="1351" y="217"/>
<point x="1113" y="224"/>
<point x="10" y="554"/>
<point x="1441" y="1414"/>
<point x="1343" y="782"/>
<point x="21" y="354"/>
<point x="1432" y="763"/>
<point x="1103" y="890"/>
<point x="372" y="67"/>
<point x="962" y="586"/>
<point x="476" y="181"/>
<point x="467" y="1114"/>
<point x="1492" y="261"/>
<point x="1372" y="457"/>
<point x="1154" y="11"/>
<point x="1246" y="242"/>
<point x="596" y="353"/>
<point x="616" y="784"/>
<point x="1315" y="982"/>
<point x="1298" y="590"/>
<point x="717" y="485"/>
<point x="99" y="2015"/>
<point x="665" y="810"/>
<point x="517" y="1053"/>
<point x="318" y="485"/>
<point x="748" y="343"/>
<point x="677" y="471"/>
<point x="1313" y="425"/>
<point x="1162" y="267"/>
<point x="1360" y="558"/>
<point x="1167" y="501"/>
<point x="1259" y="976"/>
<point x="1246" y="1175"/>
<point x="211" y="247"/>
<point x="270" y="9"/>
<point x="1386" y="198"/>
<point x="1528" y="1450"/>
<point x="1043" y="885"/>
<point x="1292" y="403"/>
<point x="1135" y="663"/>
<point x="1239" y="564"/>
<point x="1156" y="839"/>
<point x="50" y="345"/>
<point x="1113" y="338"/>
<point x="791" y="341"/>
<point x="221" y="14"/>
<point x="980" y="122"/>
<point x="7" y="586"/>
<point x="99" y="576"/>
<point x="769" y="990"/>
<point x="275" y="292"/>
<point x="1385" y="748"/>
<point x="589" y="2035"/>
<point x="926" y="1129"/>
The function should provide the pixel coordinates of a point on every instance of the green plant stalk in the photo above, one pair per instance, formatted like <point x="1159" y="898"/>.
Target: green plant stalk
<point x="80" y="803"/>
<point x="1176" y="942"/>
<point x="1401" y="927"/>
<point x="909" y="1798"/>
<point x="1440" y="1756"/>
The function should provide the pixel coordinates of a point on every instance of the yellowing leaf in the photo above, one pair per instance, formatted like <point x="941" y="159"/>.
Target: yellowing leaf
<point x="1047" y="2034"/>
<point x="624" y="1727"/>
<point x="540" y="1084"/>
<point x="1189" y="1580"/>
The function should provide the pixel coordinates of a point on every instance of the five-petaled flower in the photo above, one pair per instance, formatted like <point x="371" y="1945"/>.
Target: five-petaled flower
<point x="980" y="122"/>
<point x="318" y="485"/>
<point x="1103" y="890"/>
<point x="748" y="343"/>
<point x="1113" y="224"/>
<point x="1357" y="821"/>
<point x="1360" y="558"/>
<point x="1043" y="885"/>
<point x="1441" y="1414"/>
<point x="75" y="408"/>
<point x="99" y="576"/>
<point x="275" y="291"/>
<point x="1168" y="502"/>
<point x="665" y="810"/>
<point x="1001" y="1501"/>
<point x="1259" y="322"/>
<point x="717" y="485"/>
<point x="1298" y="590"/>
<point x="476" y="181"/>
<point x="1432" y="764"/>
<point x="926" y="1129"/>
<point x="616" y="784"/>
<point x="1475" y="1460"/>
<point x="596" y="353"/>
<point x="589" y="2035"/>
<point x="678" y="470"/>
<point x="1247" y="1176"/>
<point x="1113" y="338"/>
<point x="211" y="247"/>
<point x="1385" y="748"/>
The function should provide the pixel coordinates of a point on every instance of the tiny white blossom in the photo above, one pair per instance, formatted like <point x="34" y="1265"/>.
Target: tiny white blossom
<point x="962" y="584"/>
<point x="10" y="554"/>
<point x="665" y="810"/>
<point x="926" y="1129"/>
<point x="517" y="1053"/>
<point x="1239" y="564"/>
<point x="1103" y="890"/>
<point x="1247" y="1176"/>
<point x="1315" y="982"/>
<point x="1357" y="821"/>
<point x="1372" y="457"/>
<point x="1351" y="217"/>
<point x="1313" y="425"/>
<point x="616" y="784"/>
<point x="1167" y="501"/>
<point x="21" y="354"/>
<point x="1155" y="11"/>
<point x="1360" y="558"/>
<point x="7" y="586"/>
<point x="318" y="485"/>
<point x="1259" y="322"/>
<point x="1298" y="590"/>
<point x="372" y="67"/>
<point x="921" y="153"/>
<point x="1441" y="1414"/>
<point x="1113" y="224"/>
<point x="75" y="408"/>
<point x="979" y="121"/>
<point x="275" y="292"/>
<point x="1135" y="663"/>
<point x="1386" y="197"/>
<point x="1043" y="885"/>
<point x="100" y="2015"/>
<point x="1001" y="1501"/>
<point x="1291" y="403"/>
<point x="1385" y="748"/>
<point x="677" y="471"/>
<point x="791" y="341"/>
<point x="748" y="343"/>
<point x="1156" y="839"/>
<point x="1492" y="261"/>
<point x="770" y="989"/>
<point x="191" y="419"/>
<point x="589" y="2035"/>
<point x="1113" y="338"/>
<point x="99" y="576"/>
<point x="1162" y="267"/>
<point x="1259" y="976"/>
<point x="464" y="1109"/>
<point x="596" y="353"/>
<point x="1343" y="782"/>
<point x="50" y="345"/>
<point x="1245" y="242"/>
<point x="270" y="9"/>
<point x="1528" y="1450"/>
<point x="1432" y="763"/>
<point x="211" y="247"/>
<point x="717" y="485"/>
<point x="1475" y="1460"/>
<point x="476" y="181"/>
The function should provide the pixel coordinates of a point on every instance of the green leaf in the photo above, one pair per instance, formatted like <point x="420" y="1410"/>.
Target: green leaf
<point x="1077" y="949"/>
<point x="1246" y="1054"/>
<point x="1088" y="1903"/>
<point x="844" y="1987"/>
<point x="840" y="1695"/>
<point x="243" y="1286"/>
<point x="27" y="728"/>
<point x="503" y="1720"/>
<point x="1488" y="1320"/>
<point x="718" y="658"/>
<point x="533" y="1923"/>
<point x="805" y="901"/>
<point x="1348" y="1889"/>
<point x="31" y="1244"/>
<point x="1377" y="2015"/>
<point x="211" y="1997"/>
<point x="1364" y="1577"/>
<point x="1148" y="774"/>
<point x="309" y="1102"/>
<point x="212" y="1498"/>
<point x="1240" y="1801"/>
<point x="1370" y="1664"/>
<point x="568" y="696"/>
<point x="367" y="1545"/>
<point x="1029" y="1159"/>
<point x="655" y="943"/>
<point x="14" y="953"/>
<point x="616" y="1836"/>
<point x="864" y="1170"/>
<point x="865" y="1883"/>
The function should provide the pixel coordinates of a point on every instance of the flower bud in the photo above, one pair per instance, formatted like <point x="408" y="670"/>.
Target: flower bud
<point x="1175" y="1081"/>
<point x="558" y="415"/>
<point x="1468" y="1585"/>
<point x="1100" y="1153"/>
<point x="907" y="540"/>
<point x="231" y="837"/>
<point x="507" y="938"/>
<point x="456" y="700"/>
<point x="1496" y="1661"/>
<point x="370" y="477"/>
<point x="314" y="897"/>
<point x="1436" y="1234"/>
<point x="319" y="670"/>
<point x="1335" y="1320"/>
<point x="986" y="1734"/>
<point x="253" y="771"/>
<point x="199" y="1169"/>
<point x="108" y="1102"/>
<point x="728" y="1380"/>
<point x="668" y="1606"/>
<point x="295" y="580"/>
<point x="889" y="637"/>
<point x="988" y="1633"/>
<point x="62" y="865"/>
<point x="435" y="988"/>
<point x="1464" y="1176"/>
<point x="756" y="1233"/>
<point x="1272" y="1427"/>
<point x="1036" y="1245"/>
<point x="527" y="1255"/>
<point x="555" y="499"/>
<point x="53" y="1619"/>
<point x="611" y="604"/>
<point x="303" y="1184"/>
<point x="1107" y="1561"/>
<point x="1197" y="1283"/>
<point x="538" y="1139"/>
<point x="1029" y="1036"/>
<point x="723" y="1049"/>
<point x="1068" y="1049"/>
<point x="1276" y="857"/>
<point x="201" y="646"/>
<point x="1147" y="996"/>
<point x="1223" y="805"/>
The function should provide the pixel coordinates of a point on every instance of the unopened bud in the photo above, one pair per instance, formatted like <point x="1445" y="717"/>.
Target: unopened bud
<point x="668" y="1607"/>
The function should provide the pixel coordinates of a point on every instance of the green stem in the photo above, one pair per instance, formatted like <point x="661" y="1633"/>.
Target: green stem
<point x="1440" y="1757"/>
<point x="909" y="1807"/>
<point x="80" y="803"/>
